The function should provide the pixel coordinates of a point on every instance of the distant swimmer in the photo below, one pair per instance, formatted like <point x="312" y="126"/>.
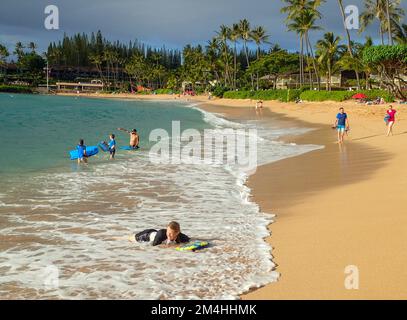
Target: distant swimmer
<point x="134" y="138"/>
<point x="82" y="157"/>
<point x="169" y="236"/>
<point x="390" y="119"/>
<point x="341" y="125"/>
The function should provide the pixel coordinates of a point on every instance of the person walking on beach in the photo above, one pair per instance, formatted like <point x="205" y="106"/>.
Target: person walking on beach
<point x="391" y="119"/>
<point x="341" y="124"/>
<point x="134" y="137"/>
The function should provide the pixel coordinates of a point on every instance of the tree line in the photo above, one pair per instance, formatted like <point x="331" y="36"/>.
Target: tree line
<point x="235" y="57"/>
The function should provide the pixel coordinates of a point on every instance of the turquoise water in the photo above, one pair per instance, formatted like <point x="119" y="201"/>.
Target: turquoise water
<point x="61" y="221"/>
<point x="37" y="132"/>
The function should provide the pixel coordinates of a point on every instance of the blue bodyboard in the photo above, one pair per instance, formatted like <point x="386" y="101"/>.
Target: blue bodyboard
<point x="90" y="151"/>
<point x="103" y="146"/>
<point x="128" y="148"/>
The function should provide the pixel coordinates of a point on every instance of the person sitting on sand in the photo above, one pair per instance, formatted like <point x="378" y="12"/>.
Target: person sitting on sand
<point x="82" y="157"/>
<point x="134" y="138"/>
<point x="341" y="124"/>
<point x="391" y="113"/>
<point x="112" y="146"/>
<point x="171" y="235"/>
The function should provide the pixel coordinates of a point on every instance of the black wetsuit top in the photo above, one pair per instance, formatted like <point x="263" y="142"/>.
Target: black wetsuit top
<point x="160" y="237"/>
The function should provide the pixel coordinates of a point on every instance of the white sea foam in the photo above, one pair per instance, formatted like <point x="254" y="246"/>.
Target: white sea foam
<point x="76" y="215"/>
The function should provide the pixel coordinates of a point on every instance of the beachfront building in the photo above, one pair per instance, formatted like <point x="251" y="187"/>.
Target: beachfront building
<point x="345" y="79"/>
<point x="80" y="87"/>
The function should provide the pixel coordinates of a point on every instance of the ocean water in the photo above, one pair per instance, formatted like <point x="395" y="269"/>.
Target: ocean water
<point x="59" y="222"/>
<point x="38" y="131"/>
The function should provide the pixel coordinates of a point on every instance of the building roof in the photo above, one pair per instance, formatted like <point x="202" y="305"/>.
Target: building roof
<point x="84" y="84"/>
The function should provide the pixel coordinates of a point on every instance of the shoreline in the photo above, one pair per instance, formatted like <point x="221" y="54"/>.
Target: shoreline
<point x="334" y="207"/>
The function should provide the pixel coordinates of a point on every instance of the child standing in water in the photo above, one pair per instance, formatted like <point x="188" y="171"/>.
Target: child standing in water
<point x="171" y="235"/>
<point x="82" y="157"/>
<point x="112" y="146"/>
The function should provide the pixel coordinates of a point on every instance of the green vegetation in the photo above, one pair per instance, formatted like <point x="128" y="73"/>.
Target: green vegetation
<point x="391" y="63"/>
<point x="238" y="94"/>
<point x="340" y="96"/>
<point x="309" y="95"/>
<point x="238" y="61"/>
<point x="15" y="89"/>
<point x="392" y="56"/>
<point x="166" y="91"/>
<point x="281" y="95"/>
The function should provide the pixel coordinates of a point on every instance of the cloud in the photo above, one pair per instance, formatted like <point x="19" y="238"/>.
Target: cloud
<point x="156" y="22"/>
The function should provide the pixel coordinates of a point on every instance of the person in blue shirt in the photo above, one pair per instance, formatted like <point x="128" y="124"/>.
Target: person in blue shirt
<point x="82" y="157"/>
<point x="341" y="124"/>
<point x="112" y="146"/>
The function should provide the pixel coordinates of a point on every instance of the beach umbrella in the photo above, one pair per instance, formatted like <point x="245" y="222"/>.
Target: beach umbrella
<point x="359" y="96"/>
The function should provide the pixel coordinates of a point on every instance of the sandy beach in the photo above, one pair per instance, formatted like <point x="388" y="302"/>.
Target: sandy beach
<point x="336" y="207"/>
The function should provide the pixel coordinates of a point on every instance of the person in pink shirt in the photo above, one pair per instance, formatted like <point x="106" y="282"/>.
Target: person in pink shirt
<point x="391" y="113"/>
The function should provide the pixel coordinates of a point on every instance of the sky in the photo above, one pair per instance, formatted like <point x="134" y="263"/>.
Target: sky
<point x="173" y="23"/>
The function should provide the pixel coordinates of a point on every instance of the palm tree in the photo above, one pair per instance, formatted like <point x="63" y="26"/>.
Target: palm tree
<point x="302" y="24"/>
<point x="19" y="49"/>
<point x="115" y="66"/>
<point x="259" y="36"/>
<point x="3" y="55"/>
<point x="350" y="51"/>
<point x="32" y="46"/>
<point x="223" y="36"/>
<point x="244" y="29"/>
<point x="212" y="49"/>
<point x="328" y="50"/>
<point x="353" y="62"/>
<point x="296" y="10"/>
<point x="368" y="68"/>
<point x="387" y="12"/>
<point x="234" y="37"/>
<point x="295" y="7"/>
<point x="245" y="35"/>
<point x="340" y="3"/>
<point x="97" y="60"/>
<point x="110" y="56"/>
<point x="400" y="34"/>
<point x="389" y="22"/>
